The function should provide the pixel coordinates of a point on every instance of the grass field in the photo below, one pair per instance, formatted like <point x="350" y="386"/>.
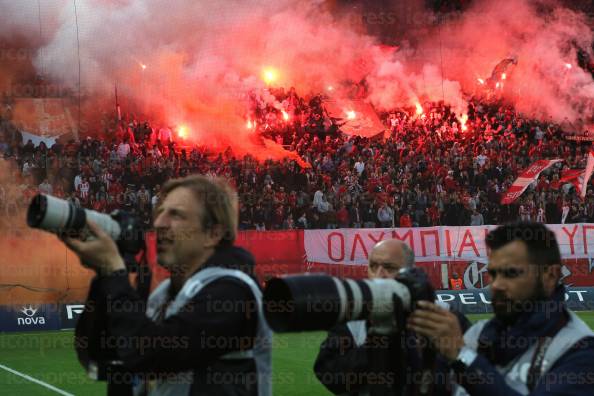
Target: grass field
<point x="49" y="357"/>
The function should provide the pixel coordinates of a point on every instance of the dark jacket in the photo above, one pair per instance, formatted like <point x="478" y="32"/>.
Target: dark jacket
<point x="348" y="369"/>
<point x="571" y="375"/>
<point x="192" y="339"/>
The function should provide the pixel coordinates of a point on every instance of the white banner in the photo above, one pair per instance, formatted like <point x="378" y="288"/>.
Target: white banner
<point x="352" y="245"/>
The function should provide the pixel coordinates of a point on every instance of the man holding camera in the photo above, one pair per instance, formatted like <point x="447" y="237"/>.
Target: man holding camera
<point x="358" y="358"/>
<point x="202" y="331"/>
<point x="534" y="345"/>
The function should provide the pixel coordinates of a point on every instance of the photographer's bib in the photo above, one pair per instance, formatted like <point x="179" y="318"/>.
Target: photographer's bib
<point x="539" y="362"/>
<point x="261" y="351"/>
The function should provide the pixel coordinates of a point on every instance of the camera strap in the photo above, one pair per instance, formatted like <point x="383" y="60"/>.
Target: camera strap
<point x="543" y="344"/>
<point x="144" y="277"/>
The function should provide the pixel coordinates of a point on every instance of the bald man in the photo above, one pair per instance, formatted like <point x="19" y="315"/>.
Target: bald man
<point x="388" y="257"/>
<point x="343" y="364"/>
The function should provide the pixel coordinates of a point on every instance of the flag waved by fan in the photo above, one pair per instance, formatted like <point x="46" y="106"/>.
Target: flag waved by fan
<point x="580" y="177"/>
<point x="527" y="177"/>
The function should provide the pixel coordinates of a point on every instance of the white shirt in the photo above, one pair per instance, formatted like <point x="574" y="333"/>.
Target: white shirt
<point x="481" y="159"/>
<point x="154" y="201"/>
<point x="477" y="220"/>
<point x="27" y="168"/>
<point x="540" y="218"/>
<point x="317" y="198"/>
<point x="323" y="206"/>
<point x="359" y="167"/>
<point x="77" y="181"/>
<point x="123" y="150"/>
<point x="385" y="214"/>
<point x="564" y="214"/>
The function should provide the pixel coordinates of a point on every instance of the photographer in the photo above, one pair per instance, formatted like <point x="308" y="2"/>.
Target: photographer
<point x="345" y="363"/>
<point x="534" y="345"/>
<point x="202" y="331"/>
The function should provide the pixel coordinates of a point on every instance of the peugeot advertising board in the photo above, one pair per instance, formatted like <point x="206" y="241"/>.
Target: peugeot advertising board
<point x="473" y="301"/>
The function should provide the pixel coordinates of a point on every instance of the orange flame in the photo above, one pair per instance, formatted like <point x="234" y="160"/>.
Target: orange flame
<point x="182" y="131"/>
<point x="419" y="108"/>
<point x="269" y="75"/>
<point x="463" y="121"/>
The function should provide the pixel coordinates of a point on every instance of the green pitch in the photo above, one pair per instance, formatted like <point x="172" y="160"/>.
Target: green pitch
<point x="49" y="357"/>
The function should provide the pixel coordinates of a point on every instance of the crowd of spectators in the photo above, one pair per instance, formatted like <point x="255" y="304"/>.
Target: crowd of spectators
<point x="424" y="170"/>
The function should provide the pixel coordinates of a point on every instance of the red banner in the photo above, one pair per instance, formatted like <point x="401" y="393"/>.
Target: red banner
<point x="527" y="177"/>
<point x="291" y="252"/>
<point x="352" y="245"/>
<point x="276" y="253"/>
<point x="359" y="118"/>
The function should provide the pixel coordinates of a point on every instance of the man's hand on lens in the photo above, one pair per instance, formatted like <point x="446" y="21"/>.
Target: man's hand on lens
<point x="440" y="326"/>
<point x="99" y="252"/>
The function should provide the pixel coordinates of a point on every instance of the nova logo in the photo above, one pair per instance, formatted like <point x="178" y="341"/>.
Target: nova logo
<point x="29" y="311"/>
<point x="30" y="318"/>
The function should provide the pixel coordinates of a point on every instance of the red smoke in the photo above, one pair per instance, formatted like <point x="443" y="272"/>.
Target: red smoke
<point x="202" y="58"/>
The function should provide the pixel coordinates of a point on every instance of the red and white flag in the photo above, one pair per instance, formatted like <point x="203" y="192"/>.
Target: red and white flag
<point x="579" y="177"/>
<point x="586" y="175"/>
<point x="527" y="177"/>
